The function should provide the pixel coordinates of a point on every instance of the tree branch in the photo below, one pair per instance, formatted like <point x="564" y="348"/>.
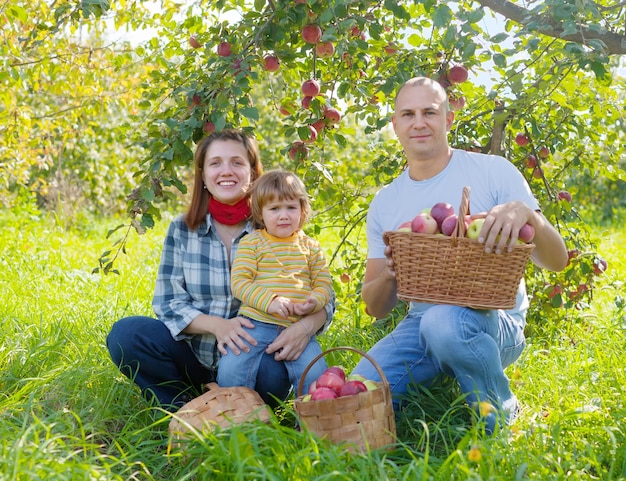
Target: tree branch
<point x="615" y="42"/>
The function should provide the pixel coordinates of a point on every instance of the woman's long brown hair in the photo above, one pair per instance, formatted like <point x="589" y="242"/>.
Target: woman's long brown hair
<point x="200" y="196"/>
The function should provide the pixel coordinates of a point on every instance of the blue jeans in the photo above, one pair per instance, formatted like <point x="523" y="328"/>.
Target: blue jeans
<point x="473" y="346"/>
<point x="168" y="372"/>
<point x="242" y="369"/>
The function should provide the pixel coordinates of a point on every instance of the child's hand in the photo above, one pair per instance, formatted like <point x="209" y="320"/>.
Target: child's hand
<point x="304" y="308"/>
<point x="281" y="306"/>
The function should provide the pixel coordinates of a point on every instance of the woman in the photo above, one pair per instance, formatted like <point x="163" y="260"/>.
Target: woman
<point x="171" y="357"/>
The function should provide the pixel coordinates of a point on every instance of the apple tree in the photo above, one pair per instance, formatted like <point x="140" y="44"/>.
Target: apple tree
<point x="315" y="81"/>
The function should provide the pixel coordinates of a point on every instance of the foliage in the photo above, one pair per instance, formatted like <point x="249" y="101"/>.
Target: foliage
<point x="147" y="105"/>
<point x="68" y="414"/>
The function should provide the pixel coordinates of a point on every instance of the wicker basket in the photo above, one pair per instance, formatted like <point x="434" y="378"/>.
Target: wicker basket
<point x="363" y="421"/>
<point x="219" y="406"/>
<point x="456" y="270"/>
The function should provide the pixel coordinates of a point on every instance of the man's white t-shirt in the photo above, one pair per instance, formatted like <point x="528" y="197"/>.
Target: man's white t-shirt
<point x="492" y="179"/>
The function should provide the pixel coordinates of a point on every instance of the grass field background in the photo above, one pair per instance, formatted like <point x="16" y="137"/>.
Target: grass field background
<point x="66" y="412"/>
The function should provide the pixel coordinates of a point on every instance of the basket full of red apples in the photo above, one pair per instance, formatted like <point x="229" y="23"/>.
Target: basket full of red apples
<point x="347" y="409"/>
<point x="438" y="260"/>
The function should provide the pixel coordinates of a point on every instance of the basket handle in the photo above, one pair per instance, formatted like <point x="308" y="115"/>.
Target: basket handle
<point x="464" y="209"/>
<point x="344" y="348"/>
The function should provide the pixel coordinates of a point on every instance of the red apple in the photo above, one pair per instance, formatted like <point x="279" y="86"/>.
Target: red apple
<point x="599" y="266"/>
<point x="522" y="139"/>
<point x="323" y="393"/>
<point x="330" y="380"/>
<point x="325" y="49"/>
<point x="544" y="152"/>
<point x="311" y="33"/>
<point x="457" y="74"/>
<point x="449" y="224"/>
<point x="554" y="291"/>
<point x="223" y="49"/>
<point x="424" y="224"/>
<point x="319" y="125"/>
<point x="526" y="233"/>
<point x="405" y="227"/>
<point x="271" y="63"/>
<point x="193" y="41"/>
<point x="337" y="370"/>
<point x="345" y="278"/>
<point x="208" y="127"/>
<point x="306" y="102"/>
<point x="312" y="387"/>
<point x="298" y="151"/>
<point x="440" y="211"/>
<point x="564" y="195"/>
<point x="390" y="48"/>
<point x="456" y="102"/>
<point x="312" y="135"/>
<point x="311" y="88"/>
<point x="537" y="174"/>
<point x="332" y="115"/>
<point x="531" y="162"/>
<point x="351" y="388"/>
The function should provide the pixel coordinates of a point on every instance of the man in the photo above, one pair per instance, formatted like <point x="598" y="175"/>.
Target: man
<point x="473" y="346"/>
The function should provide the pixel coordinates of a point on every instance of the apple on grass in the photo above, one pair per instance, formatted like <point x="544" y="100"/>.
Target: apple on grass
<point x="424" y="223"/>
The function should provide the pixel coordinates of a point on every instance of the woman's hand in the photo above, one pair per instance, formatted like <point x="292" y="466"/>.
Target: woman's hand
<point x="231" y="333"/>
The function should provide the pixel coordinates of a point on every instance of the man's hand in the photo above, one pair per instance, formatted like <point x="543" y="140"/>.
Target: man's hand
<point x="502" y="224"/>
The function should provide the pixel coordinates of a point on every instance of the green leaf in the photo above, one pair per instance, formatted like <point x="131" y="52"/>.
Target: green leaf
<point x="442" y="16"/>
<point x="250" y="113"/>
<point x="499" y="60"/>
<point x="499" y="38"/>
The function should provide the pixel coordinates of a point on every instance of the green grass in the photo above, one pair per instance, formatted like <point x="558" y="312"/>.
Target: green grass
<point x="67" y="413"/>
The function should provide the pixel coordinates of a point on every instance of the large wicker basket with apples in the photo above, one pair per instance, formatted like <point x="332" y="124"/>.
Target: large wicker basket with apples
<point x="362" y="419"/>
<point x="454" y="269"/>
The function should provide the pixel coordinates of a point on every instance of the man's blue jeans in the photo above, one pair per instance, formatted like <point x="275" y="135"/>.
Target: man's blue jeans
<point x="243" y="369"/>
<point x="167" y="371"/>
<point x="473" y="346"/>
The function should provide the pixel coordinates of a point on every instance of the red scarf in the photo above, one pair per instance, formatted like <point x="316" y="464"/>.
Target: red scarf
<point x="229" y="214"/>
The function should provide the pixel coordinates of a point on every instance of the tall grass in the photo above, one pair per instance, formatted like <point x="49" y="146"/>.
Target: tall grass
<point x="67" y="413"/>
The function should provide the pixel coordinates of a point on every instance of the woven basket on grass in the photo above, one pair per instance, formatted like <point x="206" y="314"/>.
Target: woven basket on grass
<point x="363" y="421"/>
<point x="219" y="406"/>
<point x="456" y="270"/>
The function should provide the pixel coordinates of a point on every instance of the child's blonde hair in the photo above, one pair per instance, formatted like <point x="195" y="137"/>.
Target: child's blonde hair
<point x="278" y="185"/>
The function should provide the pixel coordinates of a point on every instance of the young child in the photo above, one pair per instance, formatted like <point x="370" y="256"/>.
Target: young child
<point x="279" y="274"/>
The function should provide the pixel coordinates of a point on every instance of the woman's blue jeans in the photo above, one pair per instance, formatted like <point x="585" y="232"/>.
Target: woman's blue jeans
<point x="473" y="346"/>
<point x="168" y="372"/>
<point x="243" y="369"/>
